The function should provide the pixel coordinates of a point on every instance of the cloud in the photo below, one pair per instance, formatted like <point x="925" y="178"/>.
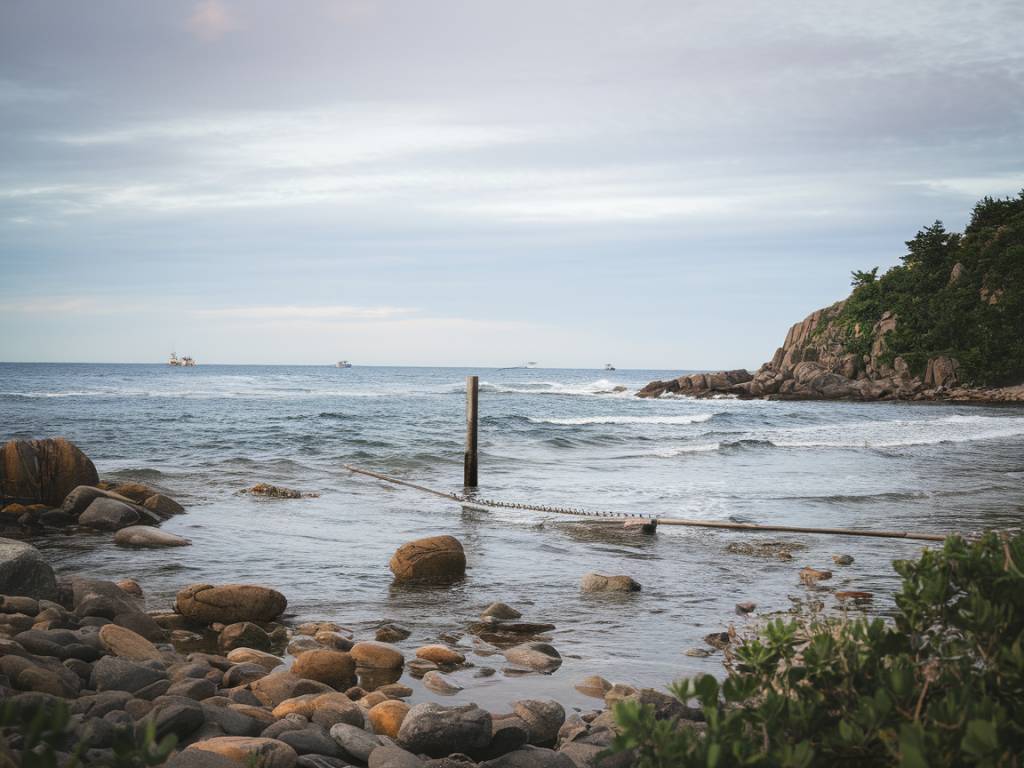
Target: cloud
<point x="286" y="313"/>
<point x="66" y="305"/>
<point x="210" y="21"/>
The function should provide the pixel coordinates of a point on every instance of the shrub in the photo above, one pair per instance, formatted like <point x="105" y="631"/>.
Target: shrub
<point x="942" y="684"/>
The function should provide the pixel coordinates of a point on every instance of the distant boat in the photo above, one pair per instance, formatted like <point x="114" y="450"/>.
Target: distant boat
<point x="343" y="364"/>
<point x="517" y="367"/>
<point x="181" y="362"/>
<point x="609" y="367"/>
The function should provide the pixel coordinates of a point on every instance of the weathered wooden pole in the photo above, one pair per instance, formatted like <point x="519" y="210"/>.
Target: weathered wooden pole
<point x="469" y="476"/>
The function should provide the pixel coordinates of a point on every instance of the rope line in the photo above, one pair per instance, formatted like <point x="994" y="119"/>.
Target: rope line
<point x="487" y="504"/>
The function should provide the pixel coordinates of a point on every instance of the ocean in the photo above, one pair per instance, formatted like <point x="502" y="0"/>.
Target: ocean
<point x="547" y="436"/>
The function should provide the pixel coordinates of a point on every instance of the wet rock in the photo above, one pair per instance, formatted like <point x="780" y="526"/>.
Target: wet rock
<point x="253" y="656"/>
<point x="596" y="582"/>
<point x="435" y="559"/>
<point x="55" y="518"/>
<point x="842" y="559"/>
<point x="778" y="550"/>
<point x="243" y="634"/>
<point x="391" y="633"/>
<point x="595" y="686"/>
<point x="9" y="604"/>
<point x="231" y="603"/>
<point x="500" y="611"/>
<point x="370" y="679"/>
<point x="268" y="491"/>
<point x="311" y="740"/>
<point x="300" y="644"/>
<point x="267" y="753"/>
<point x="745" y="607"/>
<point x="700" y="653"/>
<point x="420" y="667"/>
<point x="438" y="731"/>
<point x="354" y="742"/>
<point x="127" y="644"/>
<point x="718" y="640"/>
<point x="439" y="683"/>
<point x="375" y="655"/>
<point x="333" y="668"/>
<point x="851" y="594"/>
<point x="441" y="655"/>
<point x="812" y="576"/>
<point x="105" y="514"/>
<point x="44" y="471"/>
<point x="542" y="718"/>
<point x="540" y="657"/>
<point x="231" y="721"/>
<point x="393" y="757"/>
<point x="276" y="687"/>
<point x="386" y="718"/>
<point x="145" y="536"/>
<point x="333" y="640"/>
<point x="163" y="505"/>
<point x="24" y="572"/>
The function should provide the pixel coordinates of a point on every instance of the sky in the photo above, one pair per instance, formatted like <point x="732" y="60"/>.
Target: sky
<point x="653" y="184"/>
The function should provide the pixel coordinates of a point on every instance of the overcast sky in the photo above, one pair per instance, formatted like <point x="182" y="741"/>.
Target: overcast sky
<point x="655" y="184"/>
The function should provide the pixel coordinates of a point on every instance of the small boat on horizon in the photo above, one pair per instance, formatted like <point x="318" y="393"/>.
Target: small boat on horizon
<point x="530" y="364"/>
<point x="343" y="364"/>
<point x="181" y="362"/>
<point x="609" y="367"/>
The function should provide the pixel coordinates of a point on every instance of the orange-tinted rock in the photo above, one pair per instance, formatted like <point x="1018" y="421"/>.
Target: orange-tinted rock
<point x="434" y="559"/>
<point x="334" y="668"/>
<point x="386" y="717"/>
<point x="231" y="603"/>
<point x="440" y="654"/>
<point x="377" y="655"/>
<point x="248" y="750"/>
<point x="44" y="471"/>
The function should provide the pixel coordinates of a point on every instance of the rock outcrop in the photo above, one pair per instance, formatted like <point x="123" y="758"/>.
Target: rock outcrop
<point x="43" y="471"/>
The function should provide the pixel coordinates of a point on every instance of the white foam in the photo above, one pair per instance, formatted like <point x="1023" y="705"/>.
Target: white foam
<point x="697" y="418"/>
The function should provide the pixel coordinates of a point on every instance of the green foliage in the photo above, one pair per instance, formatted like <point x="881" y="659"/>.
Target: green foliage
<point x="941" y="685"/>
<point x="45" y="737"/>
<point x="938" y="314"/>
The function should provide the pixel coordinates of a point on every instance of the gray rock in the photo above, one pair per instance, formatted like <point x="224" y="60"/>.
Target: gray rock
<point x="79" y="499"/>
<point x="320" y="761"/>
<point x="23" y="571"/>
<point x="393" y="757"/>
<point x="540" y="657"/>
<point x="354" y="742"/>
<point x="115" y="674"/>
<point x="542" y="718"/>
<point x="438" y="731"/>
<point x="311" y="740"/>
<point x="105" y="514"/>
<point x="232" y="722"/>
<point x="197" y="758"/>
<point x="196" y="689"/>
<point x="148" y="537"/>
<point x="586" y="756"/>
<point x="500" y="611"/>
<point x="244" y="673"/>
<point x="176" y="714"/>
<point x="531" y="757"/>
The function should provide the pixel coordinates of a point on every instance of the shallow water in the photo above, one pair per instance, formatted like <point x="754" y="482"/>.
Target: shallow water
<point x="558" y="437"/>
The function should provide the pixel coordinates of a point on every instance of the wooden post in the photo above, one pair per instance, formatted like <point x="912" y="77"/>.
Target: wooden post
<point x="472" y="401"/>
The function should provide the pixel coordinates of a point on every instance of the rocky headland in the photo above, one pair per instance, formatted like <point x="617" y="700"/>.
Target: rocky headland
<point x="946" y="324"/>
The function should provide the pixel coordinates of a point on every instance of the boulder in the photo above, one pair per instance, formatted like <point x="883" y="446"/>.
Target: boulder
<point x="942" y="372"/>
<point x="437" y="559"/>
<point x="148" y="537"/>
<point x="44" y="471"/>
<point x="354" y="741"/>
<point x="312" y="740"/>
<point x="439" y="731"/>
<point x="500" y="611"/>
<point x="540" y="657"/>
<point x="23" y="571"/>
<point x="119" y="641"/>
<point x="246" y="750"/>
<point x="137" y="492"/>
<point x="276" y="687"/>
<point x="253" y="656"/>
<point x="596" y="582"/>
<point x="105" y="514"/>
<point x="334" y="668"/>
<point x="374" y="655"/>
<point x="390" y="756"/>
<point x="531" y="757"/>
<point x="440" y="654"/>
<point x="113" y="674"/>
<point x="386" y="718"/>
<point x="543" y="720"/>
<point x="442" y="684"/>
<point x="205" y="604"/>
<point x="243" y="634"/>
<point x="164" y="506"/>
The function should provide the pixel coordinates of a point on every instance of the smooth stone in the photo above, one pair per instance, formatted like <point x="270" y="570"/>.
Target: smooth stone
<point x="230" y="603"/>
<point x="393" y="757"/>
<point x="440" y="654"/>
<point x="354" y="741"/>
<point x="311" y="740"/>
<point x="115" y="674"/>
<point x="374" y="655"/>
<point x="530" y="757"/>
<point x="301" y="644"/>
<point x="595" y="686"/>
<point x="439" y="731"/>
<point x="543" y="719"/>
<point x="333" y="668"/>
<point x="276" y="687"/>
<point x="195" y="689"/>
<point x="436" y="559"/>
<point x="245" y="655"/>
<point x="24" y="572"/>
<point x="176" y="715"/>
<point x="321" y="761"/>
<point x="811" y="576"/>
<point x="334" y="640"/>
<point x="231" y="721"/>
<point x="28" y="606"/>
<point x="597" y="582"/>
<point x="842" y="559"/>
<point x="500" y="611"/>
<point x="146" y="536"/>
<point x="439" y="683"/>
<point x="105" y="514"/>
<point x="243" y="634"/>
<point x="44" y="471"/>
<point x="164" y="506"/>
<point x="746" y="607"/>
<point x="540" y="657"/>
<point x="391" y="633"/>
<point x="123" y="642"/>
<point x="386" y="718"/>
<point x="268" y="753"/>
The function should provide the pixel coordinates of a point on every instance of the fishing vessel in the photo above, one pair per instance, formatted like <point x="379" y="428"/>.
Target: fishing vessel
<point x="343" y="364"/>
<point x="181" y="362"/>
<point x="609" y="367"/>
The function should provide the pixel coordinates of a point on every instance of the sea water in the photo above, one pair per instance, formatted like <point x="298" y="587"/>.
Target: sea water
<point x="575" y="438"/>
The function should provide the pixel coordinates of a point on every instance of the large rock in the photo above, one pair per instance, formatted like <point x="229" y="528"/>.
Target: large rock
<point x="231" y="603"/>
<point x="439" y="731"/>
<point x="164" y="506"/>
<point x="113" y="674"/>
<point x="43" y="471"/>
<point x="334" y="668"/>
<point x="23" y="571"/>
<point x="540" y="657"/>
<point x="105" y="514"/>
<point x="597" y="582"/>
<point x="434" y="559"/>
<point x="244" y="751"/>
<point x="276" y="687"/>
<point x="542" y="718"/>
<point x="148" y="537"/>
<point x="374" y="655"/>
<point x="120" y="641"/>
<point x="104" y="599"/>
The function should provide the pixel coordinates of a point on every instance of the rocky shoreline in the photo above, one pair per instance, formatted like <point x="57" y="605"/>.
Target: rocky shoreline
<point x="814" y="363"/>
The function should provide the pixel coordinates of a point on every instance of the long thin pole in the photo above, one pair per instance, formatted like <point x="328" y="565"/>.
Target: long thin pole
<point x="469" y="475"/>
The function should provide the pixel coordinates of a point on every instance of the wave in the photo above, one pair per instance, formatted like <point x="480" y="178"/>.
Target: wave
<point x="698" y="418"/>
<point x="599" y="388"/>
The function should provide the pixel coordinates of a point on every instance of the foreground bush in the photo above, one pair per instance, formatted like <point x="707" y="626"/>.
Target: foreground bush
<point x="941" y="685"/>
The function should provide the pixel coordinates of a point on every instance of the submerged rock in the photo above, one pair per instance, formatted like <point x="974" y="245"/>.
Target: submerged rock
<point x="105" y="514"/>
<point x="148" y="537"/>
<point x="597" y="582"/>
<point x="435" y="559"/>
<point x="540" y="657"/>
<point x="268" y="491"/>
<point x="205" y="603"/>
